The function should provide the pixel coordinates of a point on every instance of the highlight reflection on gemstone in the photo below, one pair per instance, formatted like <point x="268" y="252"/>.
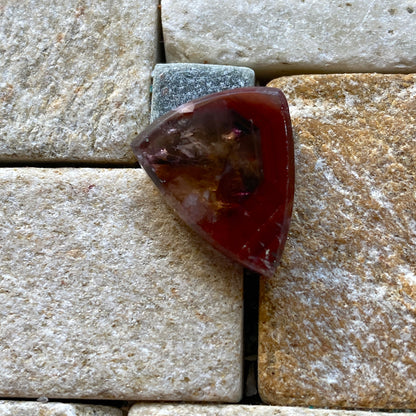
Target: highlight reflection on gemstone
<point x="225" y="163"/>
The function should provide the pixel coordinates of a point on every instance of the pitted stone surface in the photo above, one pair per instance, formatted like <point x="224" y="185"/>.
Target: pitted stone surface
<point x="153" y="409"/>
<point x="176" y="84"/>
<point x="22" y="408"/>
<point x="281" y="36"/>
<point x="75" y="78"/>
<point x="337" y="322"/>
<point x="105" y="294"/>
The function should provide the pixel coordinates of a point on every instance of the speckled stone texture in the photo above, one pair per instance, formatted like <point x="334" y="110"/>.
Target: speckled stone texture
<point x="176" y="84"/>
<point x="150" y="409"/>
<point x="289" y="36"/>
<point x="337" y="323"/>
<point x="105" y="294"/>
<point x="22" y="408"/>
<point x="75" y="78"/>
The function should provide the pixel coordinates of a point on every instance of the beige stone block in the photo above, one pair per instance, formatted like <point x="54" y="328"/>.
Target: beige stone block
<point x="337" y="323"/>
<point x="75" y="78"/>
<point x="293" y="36"/>
<point x="22" y="408"/>
<point x="160" y="409"/>
<point x="105" y="294"/>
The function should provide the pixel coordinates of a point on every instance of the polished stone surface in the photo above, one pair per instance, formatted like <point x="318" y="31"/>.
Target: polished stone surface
<point x="225" y="164"/>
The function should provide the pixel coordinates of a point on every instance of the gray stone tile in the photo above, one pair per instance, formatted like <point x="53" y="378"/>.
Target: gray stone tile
<point x="105" y="294"/>
<point x="26" y="408"/>
<point x="176" y="84"/>
<point x="337" y="322"/>
<point x="292" y="36"/>
<point x="75" y="78"/>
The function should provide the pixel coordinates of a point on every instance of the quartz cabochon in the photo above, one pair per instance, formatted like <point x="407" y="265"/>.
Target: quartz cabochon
<point x="224" y="162"/>
<point x="105" y="294"/>
<point x="337" y="322"/>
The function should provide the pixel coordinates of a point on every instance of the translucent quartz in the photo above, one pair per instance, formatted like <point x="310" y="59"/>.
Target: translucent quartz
<point x="225" y="164"/>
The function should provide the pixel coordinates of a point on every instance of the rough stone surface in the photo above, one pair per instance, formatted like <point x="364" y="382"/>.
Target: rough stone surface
<point x="105" y="294"/>
<point x="337" y="323"/>
<point x="22" y="408"/>
<point x="75" y="78"/>
<point x="176" y="84"/>
<point x="150" y="409"/>
<point x="281" y="36"/>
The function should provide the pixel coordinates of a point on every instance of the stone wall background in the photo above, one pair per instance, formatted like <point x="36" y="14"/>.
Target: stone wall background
<point x="77" y="232"/>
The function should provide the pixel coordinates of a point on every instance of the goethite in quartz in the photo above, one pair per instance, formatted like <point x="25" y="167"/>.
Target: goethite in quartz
<point x="225" y="163"/>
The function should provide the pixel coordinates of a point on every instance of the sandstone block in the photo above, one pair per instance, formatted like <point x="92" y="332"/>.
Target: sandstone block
<point x="337" y="323"/>
<point x="105" y="294"/>
<point x="176" y="84"/>
<point x="22" y="408"/>
<point x="152" y="409"/>
<point x="281" y="36"/>
<point x="75" y="83"/>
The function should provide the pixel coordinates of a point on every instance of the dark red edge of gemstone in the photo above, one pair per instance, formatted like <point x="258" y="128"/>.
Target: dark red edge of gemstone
<point x="291" y="168"/>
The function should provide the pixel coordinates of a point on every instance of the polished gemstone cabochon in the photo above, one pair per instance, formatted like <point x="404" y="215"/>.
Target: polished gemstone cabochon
<point x="225" y="164"/>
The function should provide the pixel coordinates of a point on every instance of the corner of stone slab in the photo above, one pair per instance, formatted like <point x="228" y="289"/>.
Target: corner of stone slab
<point x="262" y="390"/>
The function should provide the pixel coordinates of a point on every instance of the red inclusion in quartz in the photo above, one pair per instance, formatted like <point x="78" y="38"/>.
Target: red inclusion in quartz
<point x="225" y="163"/>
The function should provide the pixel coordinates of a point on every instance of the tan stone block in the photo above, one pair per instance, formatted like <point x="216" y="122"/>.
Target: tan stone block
<point x="163" y="409"/>
<point x="337" y="323"/>
<point x="75" y="78"/>
<point x="292" y="36"/>
<point x="22" y="408"/>
<point x="105" y="294"/>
